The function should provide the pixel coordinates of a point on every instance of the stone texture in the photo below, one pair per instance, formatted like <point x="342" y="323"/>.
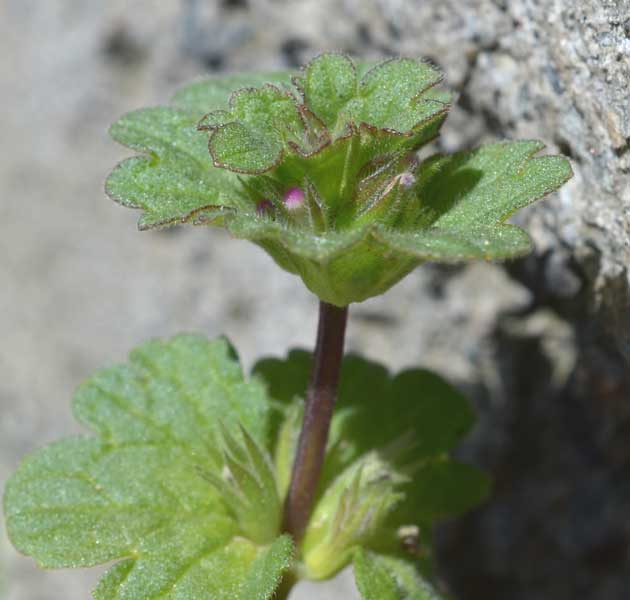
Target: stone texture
<point x="539" y="346"/>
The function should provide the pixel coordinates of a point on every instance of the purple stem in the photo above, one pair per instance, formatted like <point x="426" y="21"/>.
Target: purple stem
<point x="320" y="401"/>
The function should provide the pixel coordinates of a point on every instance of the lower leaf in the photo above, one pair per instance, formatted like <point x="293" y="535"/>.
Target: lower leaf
<point x="380" y="577"/>
<point x="238" y="570"/>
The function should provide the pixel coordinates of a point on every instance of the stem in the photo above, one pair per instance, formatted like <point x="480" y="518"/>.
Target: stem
<point x="320" y="401"/>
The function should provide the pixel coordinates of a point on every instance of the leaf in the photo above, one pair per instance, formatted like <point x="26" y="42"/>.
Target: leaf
<point x="141" y="491"/>
<point x="286" y="443"/>
<point x="486" y="186"/>
<point x="329" y="83"/>
<point x="489" y="242"/>
<point x="419" y="402"/>
<point x="176" y="391"/>
<point x="210" y="94"/>
<point x="381" y="577"/>
<point x="162" y="131"/>
<point x="253" y="134"/>
<point x="440" y="489"/>
<point x="265" y="574"/>
<point x="373" y="580"/>
<point x="237" y="570"/>
<point x="244" y="150"/>
<point x="81" y="502"/>
<point x="177" y="182"/>
<point x="397" y="428"/>
<point x="391" y="94"/>
<point x="394" y="95"/>
<point x="177" y="179"/>
<point x="365" y="226"/>
<point x="171" y="194"/>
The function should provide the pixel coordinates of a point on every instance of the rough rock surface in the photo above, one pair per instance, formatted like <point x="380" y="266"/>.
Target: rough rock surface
<point x="539" y="346"/>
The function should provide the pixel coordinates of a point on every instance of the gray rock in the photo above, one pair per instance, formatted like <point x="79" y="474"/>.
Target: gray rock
<point x="538" y="345"/>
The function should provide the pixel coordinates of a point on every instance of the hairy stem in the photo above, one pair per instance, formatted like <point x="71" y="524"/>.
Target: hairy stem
<point x="320" y="401"/>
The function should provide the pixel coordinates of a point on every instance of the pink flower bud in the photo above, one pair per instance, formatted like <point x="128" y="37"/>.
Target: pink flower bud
<point x="294" y="198"/>
<point x="264" y="207"/>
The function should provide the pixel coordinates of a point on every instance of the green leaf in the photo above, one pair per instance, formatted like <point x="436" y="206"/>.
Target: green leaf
<point x="236" y="570"/>
<point x="206" y="95"/>
<point x="347" y="137"/>
<point x="252" y="136"/>
<point x="170" y="422"/>
<point x="266" y="572"/>
<point x="165" y="132"/>
<point x="170" y="194"/>
<point x="81" y="502"/>
<point x="386" y="464"/>
<point x="329" y="83"/>
<point x="490" y="242"/>
<point x="440" y="489"/>
<point x="177" y="181"/>
<point x="381" y="577"/>
<point x="373" y="580"/>
<point x="391" y="94"/>
<point x="176" y="391"/>
<point x="244" y="150"/>
<point x="419" y="402"/>
<point x="486" y="186"/>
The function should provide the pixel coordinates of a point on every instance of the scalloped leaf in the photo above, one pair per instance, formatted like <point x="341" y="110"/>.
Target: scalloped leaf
<point x="329" y="83"/>
<point x="380" y="577"/>
<point x="169" y="194"/>
<point x="179" y="391"/>
<point x="391" y="94"/>
<point x="144" y="490"/>
<point x="372" y="214"/>
<point x="177" y="182"/>
<point x="418" y="402"/>
<point x="253" y="134"/>
<point x="234" y="570"/>
<point x="488" y="185"/>
<point x="243" y="149"/>
<point x="81" y="502"/>
<point x="397" y="427"/>
<point x="213" y="93"/>
<point x="441" y="488"/>
<point x="494" y="242"/>
<point x="459" y="213"/>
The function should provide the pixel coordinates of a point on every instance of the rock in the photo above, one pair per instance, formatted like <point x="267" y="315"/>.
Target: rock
<point x="539" y="345"/>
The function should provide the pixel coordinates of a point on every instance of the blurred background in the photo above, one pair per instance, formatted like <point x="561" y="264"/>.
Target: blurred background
<point x="540" y="346"/>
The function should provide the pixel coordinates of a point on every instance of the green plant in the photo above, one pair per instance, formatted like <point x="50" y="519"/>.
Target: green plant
<point x="205" y="483"/>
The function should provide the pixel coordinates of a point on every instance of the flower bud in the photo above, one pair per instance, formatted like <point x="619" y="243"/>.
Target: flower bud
<point x="264" y="207"/>
<point x="407" y="180"/>
<point x="294" y="198"/>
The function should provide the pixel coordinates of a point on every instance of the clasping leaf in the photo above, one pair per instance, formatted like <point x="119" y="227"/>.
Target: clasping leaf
<point x="346" y="137"/>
